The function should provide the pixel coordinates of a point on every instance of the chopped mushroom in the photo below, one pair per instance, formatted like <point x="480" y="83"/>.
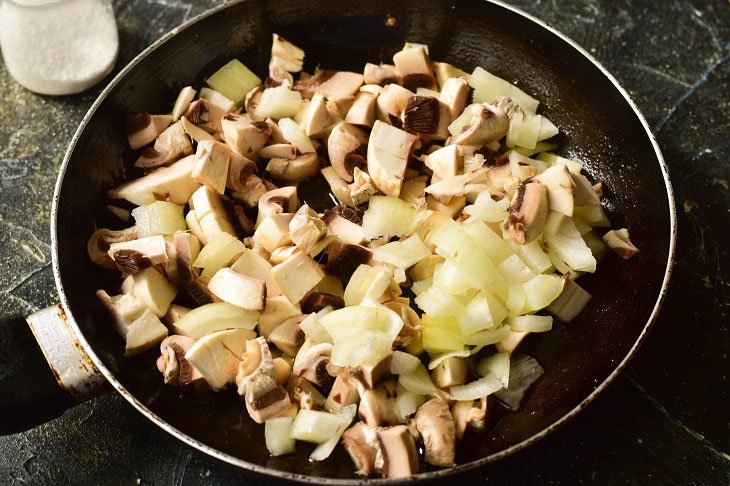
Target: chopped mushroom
<point x="143" y="128"/>
<point x="288" y="336"/>
<point x="619" y="242"/>
<point x="415" y="68"/>
<point x="134" y="255"/>
<point x="383" y="74"/>
<point x="343" y="392"/>
<point x="391" y="103"/>
<point x="256" y="380"/>
<point x="368" y="375"/>
<point x="559" y="185"/>
<point x="306" y="229"/>
<point x="244" y="135"/>
<point x="527" y="212"/>
<point x="311" y="362"/>
<point x="134" y="322"/>
<point x="317" y="117"/>
<point x="297" y="276"/>
<point x="338" y="186"/>
<point x="240" y="290"/>
<point x="335" y="84"/>
<point x="488" y="124"/>
<point x="421" y="114"/>
<point x="362" y="187"/>
<point x="344" y="224"/>
<point x="346" y="148"/>
<point x="278" y="151"/>
<point x="436" y="425"/>
<point x="293" y="170"/>
<point x="171" y="145"/>
<point x="398" y="451"/>
<point x="362" y="111"/>
<point x="467" y="415"/>
<point x="345" y="261"/>
<point x="282" y="254"/>
<point x="445" y="71"/>
<point x="316" y="301"/>
<point x="205" y="115"/>
<point x="175" y="369"/>
<point x="388" y="152"/>
<point x="211" y="165"/>
<point x="303" y="394"/>
<point x="377" y="405"/>
<point x="100" y="241"/>
<point x="359" y="441"/>
<point x="455" y="93"/>
<point x="286" y="58"/>
<point x="282" y="200"/>
<point x="450" y="372"/>
<point x="277" y="310"/>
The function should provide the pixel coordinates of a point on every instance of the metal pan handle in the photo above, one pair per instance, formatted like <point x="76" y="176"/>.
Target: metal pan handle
<point x="36" y="390"/>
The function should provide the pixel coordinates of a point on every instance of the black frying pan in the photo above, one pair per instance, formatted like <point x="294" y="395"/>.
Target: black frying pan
<point x="599" y="126"/>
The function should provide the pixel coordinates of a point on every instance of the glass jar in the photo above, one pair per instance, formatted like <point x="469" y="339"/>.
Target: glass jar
<point x="58" y="47"/>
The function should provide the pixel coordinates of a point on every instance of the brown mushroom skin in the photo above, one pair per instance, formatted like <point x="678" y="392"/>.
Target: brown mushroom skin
<point x="175" y="369"/>
<point x="398" y="449"/>
<point x="98" y="245"/>
<point x="311" y="362"/>
<point x="436" y="425"/>
<point x="257" y="382"/>
<point x="527" y="212"/>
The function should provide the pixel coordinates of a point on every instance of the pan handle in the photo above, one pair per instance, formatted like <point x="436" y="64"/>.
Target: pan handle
<point x="35" y="390"/>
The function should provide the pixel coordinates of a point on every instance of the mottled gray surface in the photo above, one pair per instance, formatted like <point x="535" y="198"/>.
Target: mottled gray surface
<point x="665" y="421"/>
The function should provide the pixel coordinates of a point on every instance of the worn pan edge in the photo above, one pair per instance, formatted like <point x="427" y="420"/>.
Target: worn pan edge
<point x="320" y="480"/>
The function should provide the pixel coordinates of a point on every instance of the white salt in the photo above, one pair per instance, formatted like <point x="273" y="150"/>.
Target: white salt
<point x="58" y="47"/>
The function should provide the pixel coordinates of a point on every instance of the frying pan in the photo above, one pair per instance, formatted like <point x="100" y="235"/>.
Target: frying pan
<point x="600" y="126"/>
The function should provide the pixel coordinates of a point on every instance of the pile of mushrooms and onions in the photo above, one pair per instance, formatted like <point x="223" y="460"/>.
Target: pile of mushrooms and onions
<point x="389" y="321"/>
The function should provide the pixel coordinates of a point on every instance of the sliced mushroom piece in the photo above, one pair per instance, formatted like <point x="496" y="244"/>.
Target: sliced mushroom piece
<point x="458" y="185"/>
<point x="170" y="145"/>
<point x="343" y="392"/>
<point x="277" y="310"/>
<point x="383" y="74"/>
<point x="338" y="186"/>
<point x="211" y="165"/>
<point x="346" y="148"/>
<point x="182" y="250"/>
<point x="571" y="301"/>
<point x="152" y="288"/>
<point x="317" y="118"/>
<point x="340" y="224"/>
<point x="445" y="162"/>
<point x="508" y="105"/>
<point x="297" y="276"/>
<point x="391" y="103"/>
<point x="244" y="135"/>
<point x="497" y="174"/>
<point x="134" y="255"/>
<point x="488" y="124"/>
<point x="316" y="301"/>
<point x="559" y="185"/>
<point x="583" y="191"/>
<point x="100" y="241"/>
<point x="256" y="380"/>
<point x="281" y="200"/>
<point x="445" y="71"/>
<point x="133" y="321"/>
<point x="282" y="254"/>
<point x="294" y="170"/>
<point x="279" y="151"/>
<point x="143" y="128"/>
<point x="273" y="232"/>
<point x="362" y="188"/>
<point x="172" y="183"/>
<point x="467" y="415"/>
<point x="311" y="362"/>
<point x="252" y="101"/>
<point x="415" y="68"/>
<point x="377" y="405"/>
<point x="360" y="442"/>
<point x="240" y="290"/>
<point x="343" y="262"/>
<point x="619" y="242"/>
<point x="306" y="229"/>
<point x="198" y="290"/>
<point x="527" y="212"/>
<point x="455" y="93"/>
<point x="218" y="99"/>
<point x="288" y="336"/>
<point x="338" y="107"/>
<point x="254" y="265"/>
<point x="398" y="450"/>
<point x="286" y="58"/>
<point x="367" y="376"/>
<point x="205" y="115"/>
<point x="509" y="344"/>
<point x="175" y="369"/>
<point x="330" y="285"/>
<point x="186" y="96"/>
<point x="450" y="372"/>
<point x="421" y="114"/>
<point x="174" y="313"/>
<point x="362" y="111"/>
<point x="335" y="84"/>
<point x="304" y="394"/>
<point x="436" y="425"/>
<point x="388" y="152"/>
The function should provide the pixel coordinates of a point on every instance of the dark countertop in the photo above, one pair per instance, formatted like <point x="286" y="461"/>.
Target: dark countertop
<point x="663" y="421"/>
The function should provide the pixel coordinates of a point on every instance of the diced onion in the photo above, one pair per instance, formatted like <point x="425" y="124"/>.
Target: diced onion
<point x="485" y="338"/>
<point x="418" y="381"/>
<point x="403" y="363"/>
<point x="569" y="245"/>
<point x="323" y="451"/>
<point x="441" y="334"/>
<point x="367" y="347"/>
<point x="530" y="323"/>
<point x="315" y="426"/>
<point x="296" y="135"/>
<point x="218" y="253"/>
<point x="402" y="254"/>
<point x="524" y="371"/>
<point x="278" y="435"/>
<point x="234" y="81"/>
<point x="440" y="358"/>
<point x="487" y="209"/>
<point x="541" y="290"/>
<point x="387" y="216"/>
<point x="313" y="329"/>
<point x="406" y="403"/>
<point x="497" y="365"/>
<point x="476" y="389"/>
<point x="158" y="218"/>
<point x="279" y="102"/>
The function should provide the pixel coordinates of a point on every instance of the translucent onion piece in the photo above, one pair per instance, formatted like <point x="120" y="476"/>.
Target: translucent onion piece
<point x="315" y="426"/>
<point x="530" y="323"/>
<point x="441" y="334"/>
<point x="277" y="432"/>
<point x="218" y="253"/>
<point x="323" y="451"/>
<point x="524" y="371"/>
<point x="296" y="135"/>
<point x="158" y="218"/>
<point x="476" y="389"/>
<point x="388" y="216"/>
<point x="403" y="363"/>
<point x="407" y="403"/>
<point x="487" y="87"/>
<point x="485" y="338"/>
<point x="440" y="358"/>
<point x="279" y="102"/>
<point x="402" y="254"/>
<point x="497" y="365"/>
<point x="234" y="80"/>
<point x="541" y="290"/>
<point x="418" y="382"/>
<point x="367" y="347"/>
<point x="313" y="329"/>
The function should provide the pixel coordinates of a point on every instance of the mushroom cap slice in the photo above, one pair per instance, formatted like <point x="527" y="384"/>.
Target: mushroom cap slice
<point x="172" y="144"/>
<point x="360" y="444"/>
<point x="175" y="369"/>
<point x="362" y="111"/>
<point x="559" y="184"/>
<point x="398" y="450"/>
<point x="256" y="379"/>
<point x="618" y="241"/>
<point x="293" y="170"/>
<point x="467" y="415"/>
<point x="205" y="115"/>
<point x="172" y="183"/>
<point x="244" y="135"/>
<point x="101" y="239"/>
<point x="388" y="151"/>
<point x="335" y="84"/>
<point x="143" y="128"/>
<point x="488" y="124"/>
<point x="436" y="425"/>
<point x="281" y="200"/>
<point x="345" y="147"/>
<point x="383" y="74"/>
<point x="527" y="212"/>
<point x="415" y="68"/>
<point x="311" y="362"/>
<point x="338" y="186"/>
<point x="135" y="255"/>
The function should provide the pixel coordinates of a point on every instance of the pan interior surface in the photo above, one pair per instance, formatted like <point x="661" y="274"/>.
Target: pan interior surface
<point x="598" y="127"/>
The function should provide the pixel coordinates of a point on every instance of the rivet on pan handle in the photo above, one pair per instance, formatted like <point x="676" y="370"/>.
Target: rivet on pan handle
<point x="70" y="364"/>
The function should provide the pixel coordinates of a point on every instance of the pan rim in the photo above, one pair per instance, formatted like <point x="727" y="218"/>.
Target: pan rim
<point x="322" y="480"/>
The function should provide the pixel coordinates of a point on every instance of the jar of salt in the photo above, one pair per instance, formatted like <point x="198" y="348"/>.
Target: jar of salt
<point x="58" y="47"/>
